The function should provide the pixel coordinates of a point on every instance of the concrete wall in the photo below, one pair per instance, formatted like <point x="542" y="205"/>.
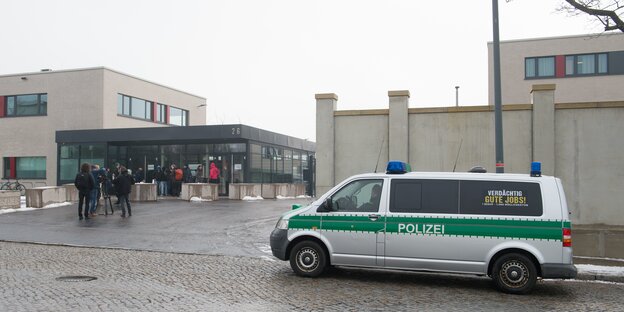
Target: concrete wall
<point x="570" y="89"/>
<point x="79" y="99"/>
<point x="581" y="143"/>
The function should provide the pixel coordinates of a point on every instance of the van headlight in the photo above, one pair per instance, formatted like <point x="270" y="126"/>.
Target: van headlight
<point x="282" y="224"/>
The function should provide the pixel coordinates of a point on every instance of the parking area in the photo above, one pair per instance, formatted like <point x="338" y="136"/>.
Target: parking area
<point x="224" y="227"/>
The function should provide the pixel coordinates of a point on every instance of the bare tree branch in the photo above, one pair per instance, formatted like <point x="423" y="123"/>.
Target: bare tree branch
<point x="605" y="15"/>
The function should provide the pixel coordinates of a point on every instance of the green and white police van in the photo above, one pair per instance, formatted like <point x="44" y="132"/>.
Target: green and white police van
<point x="512" y="227"/>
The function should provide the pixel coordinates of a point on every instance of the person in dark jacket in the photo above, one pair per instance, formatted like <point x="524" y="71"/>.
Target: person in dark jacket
<point x="139" y="176"/>
<point x="123" y="185"/>
<point x="84" y="182"/>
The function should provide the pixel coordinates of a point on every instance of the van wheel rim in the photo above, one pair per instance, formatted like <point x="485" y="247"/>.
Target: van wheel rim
<point x="514" y="274"/>
<point x="307" y="259"/>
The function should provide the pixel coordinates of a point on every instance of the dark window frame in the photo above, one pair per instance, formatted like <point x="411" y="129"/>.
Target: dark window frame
<point x="184" y="116"/>
<point x="449" y="196"/>
<point x="42" y="110"/>
<point x="472" y="202"/>
<point x="536" y="67"/>
<point x="149" y="107"/>
<point x="6" y="170"/>
<point x="596" y="71"/>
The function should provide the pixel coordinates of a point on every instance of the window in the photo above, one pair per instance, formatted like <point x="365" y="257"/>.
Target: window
<point x="586" y="64"/>
<point x="500" y="198"/>
<point x="26" y="105"/>
<point x="358" y="196"/>
<point x="423" y="196"/>
<point x="134" y="107"/>
<point x="178" y="116"/>
<point x="25" y="167"/>
<point x="539" y="67"/>
<point x="161" y="113"/>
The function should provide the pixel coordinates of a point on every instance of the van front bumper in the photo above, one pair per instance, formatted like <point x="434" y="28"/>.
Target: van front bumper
<point x="279" y="243"/>
<point x="557" y="270"/>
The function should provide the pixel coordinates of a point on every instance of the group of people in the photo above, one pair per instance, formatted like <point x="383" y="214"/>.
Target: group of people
<point x="94" y="182"/>
<point x="170" y="178"/>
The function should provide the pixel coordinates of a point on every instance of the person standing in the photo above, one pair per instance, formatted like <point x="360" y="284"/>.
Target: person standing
<point x="139" y="176"/>
<point x="199" y="174"/>
<point x="214" y="173"/>
<point x="123" y="185"/>
<point x="95" y="192"/>
<point x="84" y="182"/>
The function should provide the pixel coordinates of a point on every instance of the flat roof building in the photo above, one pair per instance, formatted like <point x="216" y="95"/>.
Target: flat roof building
<point x="585" y="68"/>
<point x="104" y="116"/>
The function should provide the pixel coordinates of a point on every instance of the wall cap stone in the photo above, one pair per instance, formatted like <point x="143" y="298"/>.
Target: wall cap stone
<point x="543" y="87"/>
<point x="399" y="93"/>
<point x="326" y="96"/>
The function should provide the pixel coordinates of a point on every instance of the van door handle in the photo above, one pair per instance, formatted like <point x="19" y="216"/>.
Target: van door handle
<point x="373" y="216"/>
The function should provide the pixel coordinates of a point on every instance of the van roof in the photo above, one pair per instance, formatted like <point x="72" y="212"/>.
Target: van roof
<point x="458" y="175"/>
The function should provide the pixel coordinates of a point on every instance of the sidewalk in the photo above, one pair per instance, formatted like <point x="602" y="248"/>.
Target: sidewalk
<point x="601" y="269"/>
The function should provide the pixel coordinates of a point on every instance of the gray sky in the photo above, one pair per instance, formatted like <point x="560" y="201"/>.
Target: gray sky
<point x="261" y="62"/>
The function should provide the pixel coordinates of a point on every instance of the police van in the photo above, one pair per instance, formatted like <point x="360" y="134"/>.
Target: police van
<point x="512" y="227"/>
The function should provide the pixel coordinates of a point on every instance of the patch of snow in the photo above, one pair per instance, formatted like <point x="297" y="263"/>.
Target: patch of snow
<point x="199" y="199"/>
<point x="24" y="208"/>
<point x="283" y="197"/>
<point x="600" y="269"/>
<point x="253" y="198"/>
<point x="303" y="196"/>
<point x="598" y="258"/>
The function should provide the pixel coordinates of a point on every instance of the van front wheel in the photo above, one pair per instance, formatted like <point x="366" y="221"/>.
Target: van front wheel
<point x="308" y="258"/>
<point x="514" y="273"/>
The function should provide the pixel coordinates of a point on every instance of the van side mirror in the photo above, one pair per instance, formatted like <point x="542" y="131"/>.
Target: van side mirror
<point x="326" y="206"/>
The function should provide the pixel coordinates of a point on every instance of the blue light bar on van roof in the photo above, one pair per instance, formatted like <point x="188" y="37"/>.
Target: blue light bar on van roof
<point x="536" y="169"/>
<point x="396" y="167"/>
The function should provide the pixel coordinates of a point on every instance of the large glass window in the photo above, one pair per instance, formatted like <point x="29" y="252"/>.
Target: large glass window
<point x="178" y="116"/>
<point x="586" y="64"/>
<point x="423" y="196"/>
<point x="25" y="167"/>
<point x="161" y="113"/>
<point x="134" y="107"/>
<point x="537" y="67"/>
<point x="69" y="161"/>
<point x="27" y="105"/>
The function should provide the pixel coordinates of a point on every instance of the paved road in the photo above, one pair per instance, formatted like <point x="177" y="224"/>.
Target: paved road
<point x="221" y="227"/>
<point x="129" y="280"/>
<point x="214" y="256"/>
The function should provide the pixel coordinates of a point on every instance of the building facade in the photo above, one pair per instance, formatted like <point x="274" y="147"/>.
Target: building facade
<point x="33" y="106"/>
<point x="243" y="154"/>
<point x="585" y="68"/>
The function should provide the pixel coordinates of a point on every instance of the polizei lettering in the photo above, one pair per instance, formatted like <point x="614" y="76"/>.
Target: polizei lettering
<point x="415" y="228"/>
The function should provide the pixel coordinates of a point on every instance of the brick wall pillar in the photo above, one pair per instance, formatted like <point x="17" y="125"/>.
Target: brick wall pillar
<point x="325" y="107"/>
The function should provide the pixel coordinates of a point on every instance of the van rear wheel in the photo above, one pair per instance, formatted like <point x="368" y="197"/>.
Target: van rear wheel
<point x="308" y="259"/>
<point x="514" y="273"/>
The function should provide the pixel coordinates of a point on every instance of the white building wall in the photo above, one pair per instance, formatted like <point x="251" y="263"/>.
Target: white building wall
<point x="569" y="89"/>
<point x="79" y="99"/>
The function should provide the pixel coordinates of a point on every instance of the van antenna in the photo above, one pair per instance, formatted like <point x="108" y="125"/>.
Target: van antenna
<point x="383" y="139"/>
<point x="458" y="150"/>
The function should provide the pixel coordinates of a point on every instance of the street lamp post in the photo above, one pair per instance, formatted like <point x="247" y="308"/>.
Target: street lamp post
<point x="456" y="96"/>
<point x="498" y="114"/>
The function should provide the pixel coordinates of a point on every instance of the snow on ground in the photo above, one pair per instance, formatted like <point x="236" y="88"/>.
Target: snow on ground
<point x="24" y="208"/>
<point x="253" y="198"/>
<point x="199" y="199"/>
<point x="290" y="197"/>
<point x="600" y="269"/>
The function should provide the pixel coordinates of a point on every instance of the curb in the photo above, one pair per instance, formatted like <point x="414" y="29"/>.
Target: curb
<point x="599" y="277"/>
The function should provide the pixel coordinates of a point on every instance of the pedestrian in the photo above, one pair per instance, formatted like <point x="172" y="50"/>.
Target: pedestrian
<point x="123" y="184"/>
<point x="171" y="179"/>
<point x="177" y="184"/>
<point x="214" y="173"/>
<point x="139" y="176"/>
<point x="95" y="192"/>
<point x="186" y="174"/>
<point x="199" y="174"/>
<point x="84" y="182"/>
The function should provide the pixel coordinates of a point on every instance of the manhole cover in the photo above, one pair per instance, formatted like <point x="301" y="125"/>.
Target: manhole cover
<point x="76" y="278"/>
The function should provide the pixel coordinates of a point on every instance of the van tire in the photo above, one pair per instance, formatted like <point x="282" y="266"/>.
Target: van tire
<point x="514" y="273"/>
<point x="308" y="259"/>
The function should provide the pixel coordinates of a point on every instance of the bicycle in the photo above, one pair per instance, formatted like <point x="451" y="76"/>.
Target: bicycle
<point x="14" y="186"/>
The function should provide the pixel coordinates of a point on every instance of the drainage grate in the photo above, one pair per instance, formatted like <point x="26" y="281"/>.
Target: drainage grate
<point x="76" y="278"/>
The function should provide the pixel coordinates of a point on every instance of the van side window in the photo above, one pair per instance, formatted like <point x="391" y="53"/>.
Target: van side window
<point x="501" y="198"/>
<point x="358" y="196"/>
<point x="423" y="196"/>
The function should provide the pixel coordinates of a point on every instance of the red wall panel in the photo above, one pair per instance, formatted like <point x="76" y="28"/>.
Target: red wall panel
<point x="2" y="105"/>
<point x="559" y="66"/>
<point x="12" y="172"/>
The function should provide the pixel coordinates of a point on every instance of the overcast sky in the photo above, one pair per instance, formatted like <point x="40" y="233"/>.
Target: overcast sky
<point x="261" y="62"/>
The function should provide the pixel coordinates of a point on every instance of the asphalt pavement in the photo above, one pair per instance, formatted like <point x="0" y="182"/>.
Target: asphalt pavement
<point x="223" y="227"/>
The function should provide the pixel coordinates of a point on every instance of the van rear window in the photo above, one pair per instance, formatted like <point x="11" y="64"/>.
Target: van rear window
<point x="500" y="198"/>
